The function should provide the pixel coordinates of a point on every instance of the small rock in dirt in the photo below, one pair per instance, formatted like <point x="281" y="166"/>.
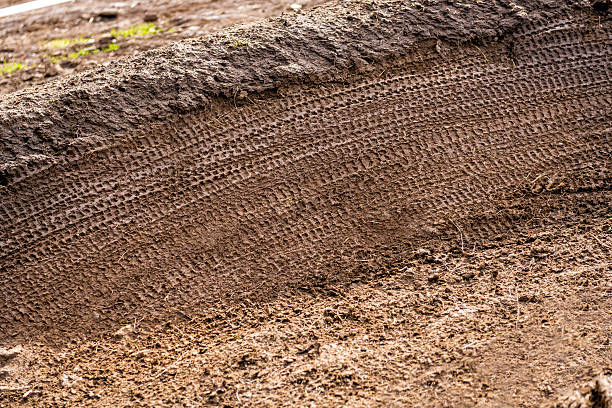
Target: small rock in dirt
<point x="468" y="276"/>
<point x="124" y="331"/>
<point x="422" y="253"/>
<point x="295" y="6"/>
<point x="93" y="395"/>
<point x="69" y="64"/>
<point x="4" y="374"/>
<point x="105" y="40"/>
<point x="68" y="380"/>
<point x="312" y="348"/>
<point x="9" y="354"/>
<point x="149" y="18"/>
<point x="31" y="393"/>
<point x="434" y="278"/>
<point x="528" y="298"/>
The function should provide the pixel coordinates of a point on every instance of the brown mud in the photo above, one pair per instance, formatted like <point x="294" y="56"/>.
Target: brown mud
<point x="522" y="323"/>
<point x="235" y="194"/>
<point x="355" y="144"/>
<point x="325" y="46"/>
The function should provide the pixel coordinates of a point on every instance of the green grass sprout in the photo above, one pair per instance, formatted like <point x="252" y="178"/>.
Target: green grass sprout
<point x="139" y="30"/>
<point x="10" y="67"/>
<point x="64" y="43"/>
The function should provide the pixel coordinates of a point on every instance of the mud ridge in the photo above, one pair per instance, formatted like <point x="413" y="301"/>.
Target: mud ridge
<point x="290" y="152"/>
<point x="40" y="124"/>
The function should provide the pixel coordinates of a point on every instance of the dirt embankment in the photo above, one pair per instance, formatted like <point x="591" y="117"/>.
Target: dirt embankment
<point x="188" y="75"/>
<point x="203" y="172"/>
<point x="371" y="203"/>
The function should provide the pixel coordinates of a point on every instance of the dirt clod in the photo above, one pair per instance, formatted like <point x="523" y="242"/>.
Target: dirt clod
<point x="597" y="395"/>
<point x="7" y="355"/>
<point x="69" y="380"/>
<point x="125" y="331"/>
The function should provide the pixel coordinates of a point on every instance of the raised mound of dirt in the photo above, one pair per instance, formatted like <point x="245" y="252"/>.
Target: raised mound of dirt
<point x="372" y="203"/>
<point x="272" y="156"/>
<point x="293" y="49"/>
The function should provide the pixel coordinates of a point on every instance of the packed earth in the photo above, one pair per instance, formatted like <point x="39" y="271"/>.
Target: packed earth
<point x="354" y="203"/>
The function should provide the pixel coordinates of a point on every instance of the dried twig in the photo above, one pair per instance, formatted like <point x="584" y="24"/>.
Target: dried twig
<point x="460" y="232"/>
<point x="171" y="365"/>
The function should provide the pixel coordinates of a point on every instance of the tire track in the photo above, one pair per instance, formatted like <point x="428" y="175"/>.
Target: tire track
<point x="252" y="197"/>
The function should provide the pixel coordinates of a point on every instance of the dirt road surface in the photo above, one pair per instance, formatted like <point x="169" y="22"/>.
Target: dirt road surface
<point x="364" y="204"/>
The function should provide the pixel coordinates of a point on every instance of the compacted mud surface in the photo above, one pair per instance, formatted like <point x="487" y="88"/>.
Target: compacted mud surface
<point x="367" y="203"/>
<point x="524" y="322"/>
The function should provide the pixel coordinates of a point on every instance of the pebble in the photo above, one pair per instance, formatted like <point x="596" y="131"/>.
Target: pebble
<point x="105" y="40"/>
<point x="68" y="380"/>
<point x="9" y="354"/>
<point x="124" y="331"/>
<point x="69" y="64"/>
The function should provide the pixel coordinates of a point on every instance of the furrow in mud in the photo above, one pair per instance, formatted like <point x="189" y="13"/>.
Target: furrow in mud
<point x="257" y="193"/>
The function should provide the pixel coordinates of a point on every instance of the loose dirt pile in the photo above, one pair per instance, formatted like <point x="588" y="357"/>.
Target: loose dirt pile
<point x="421" y="190"/>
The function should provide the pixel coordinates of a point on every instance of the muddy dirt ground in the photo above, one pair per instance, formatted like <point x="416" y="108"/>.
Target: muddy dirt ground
<point x="88" y="25"/>
<point x="516" y="324"/>
<point x="520" y="318"/>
